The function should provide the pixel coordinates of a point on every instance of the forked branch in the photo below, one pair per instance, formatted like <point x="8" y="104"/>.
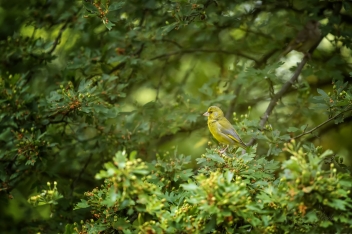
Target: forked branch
<point x="264" y="118"/>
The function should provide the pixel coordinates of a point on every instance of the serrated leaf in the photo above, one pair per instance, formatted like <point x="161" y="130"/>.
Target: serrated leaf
<point x="186" y="174"/>
<point x="192" y="118"/>
<point x="201" y="160"/>
<point x="322" y="93"/>
<point x="215" y="157"/>
<point x="109" y="25"/>
<point x="205" y="89"/>
<point x="81" y="205"/>
<point x="325" y="224"/>
<point x="338" y="204"/>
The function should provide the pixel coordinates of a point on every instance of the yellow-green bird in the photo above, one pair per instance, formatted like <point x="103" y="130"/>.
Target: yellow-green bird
<point x="222" y="129"/>
<point x="305" y="39"/>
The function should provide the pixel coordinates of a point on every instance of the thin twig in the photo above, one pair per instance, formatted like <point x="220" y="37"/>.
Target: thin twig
<point x="73" y="184"/>
<point x="327" y="128"/>
<point x="172" y="42"/>
<point x="41" y="57"/>
<point x="264" y="118"/>
<point x="139" y="51"/>
<point x="257" y="33"/>
<point x="232" y="105"/>
<point x="188" y="51"/>
<point x="320" y="125"/>
<point x="57" y="39"/>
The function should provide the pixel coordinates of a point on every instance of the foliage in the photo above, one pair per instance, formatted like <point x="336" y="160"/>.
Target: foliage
<point x="82" y="81"/>
<point x="227" y="192"/>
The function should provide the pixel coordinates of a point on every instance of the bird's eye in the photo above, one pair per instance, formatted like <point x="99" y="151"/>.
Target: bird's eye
<point x="210" y="112"/>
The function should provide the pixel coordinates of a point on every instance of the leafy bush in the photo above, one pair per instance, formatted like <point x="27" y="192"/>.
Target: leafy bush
<point x="225" y="193"/>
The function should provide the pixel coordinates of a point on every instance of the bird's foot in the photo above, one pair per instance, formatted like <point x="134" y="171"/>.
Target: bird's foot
<point x="223" y="150"/>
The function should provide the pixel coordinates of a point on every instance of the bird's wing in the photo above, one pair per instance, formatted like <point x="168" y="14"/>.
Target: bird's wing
<point x="227" y="129"/>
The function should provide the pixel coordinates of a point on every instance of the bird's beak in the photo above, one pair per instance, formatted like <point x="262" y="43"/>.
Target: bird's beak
<point x="206" y="114"/>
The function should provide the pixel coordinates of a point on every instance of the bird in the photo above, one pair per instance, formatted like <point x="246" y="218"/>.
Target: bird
<point x="305" y="39"/>
<point x="222" y="130"/>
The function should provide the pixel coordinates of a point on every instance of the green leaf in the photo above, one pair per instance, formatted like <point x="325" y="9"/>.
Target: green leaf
<point x="116" y="6"/>
<point x="229" y="176"/>
<point x="215" y="157"/>
<point x="205" y="89"/>
<point x="189" y="187"/>
<point x="337" y="203"/>
<point x="166" y="29"/>
<point x="311" y="217"/>
<point x="325" y="224"/>
<point x="120" y="159"/>
<point x="201" y="160"/>
<point x="69" y="229"/>
<point x="81" y="205"/>
<point x="292" y="129"/>
<point x="109" y="25"/>
<point x="5" y="134"/>
<point x="322" y="93"/>
<point x="133" y="155"/>
<point x="326" y="153"/>
<point x="192" y="117"/>
<point x="210" y="224"/>
<point x="141" y="172"/>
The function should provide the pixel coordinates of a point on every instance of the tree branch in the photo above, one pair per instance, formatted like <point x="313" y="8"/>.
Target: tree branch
<point x="258" y="63"/>
<point x="188" y="51"/>
<point x="327" y="128"/>
<point x="320" y="125"/>
<point x="55" y="43"/>
<point x="57" y="39"/>
<point x="73" y="184"/>
<point x="264" y="118"/>
<point x="172" y="42"/>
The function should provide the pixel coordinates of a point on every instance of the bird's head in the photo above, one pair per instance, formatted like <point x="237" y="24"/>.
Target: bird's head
<point x="214" y="112"/>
